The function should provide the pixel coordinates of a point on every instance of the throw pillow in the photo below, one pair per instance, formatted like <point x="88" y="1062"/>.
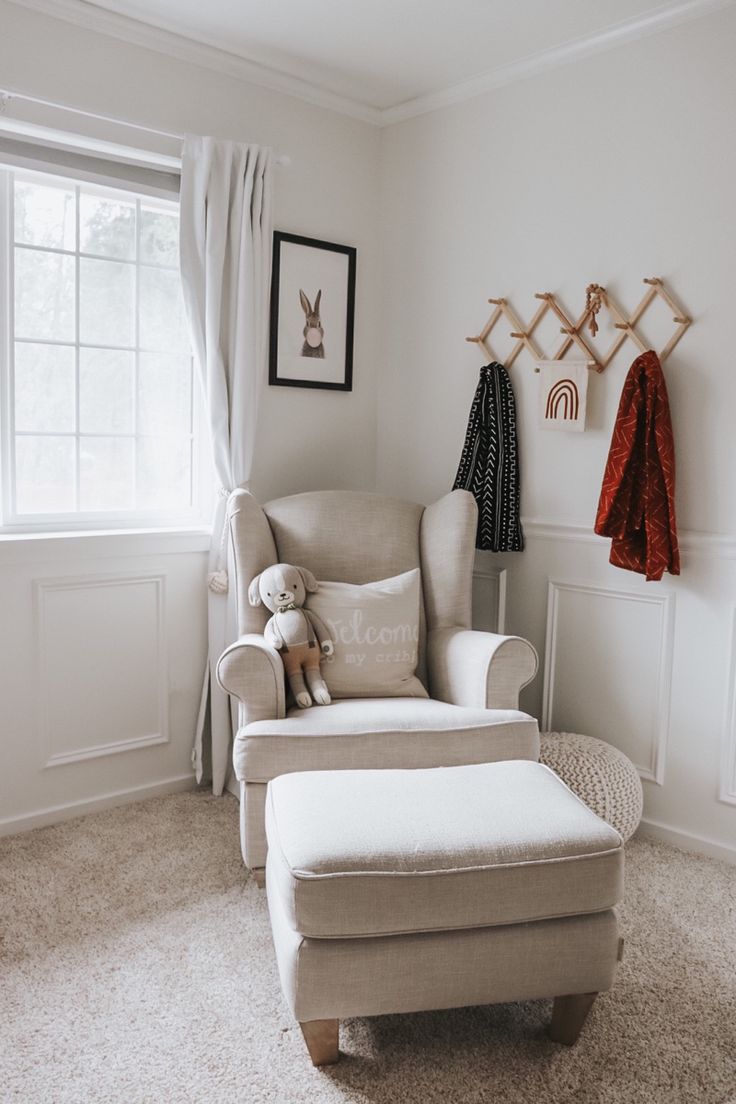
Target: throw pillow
<point x="375" y="628"/>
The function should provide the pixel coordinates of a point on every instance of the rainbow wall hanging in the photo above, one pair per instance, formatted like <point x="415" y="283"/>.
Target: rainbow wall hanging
<point x="563" y="391"/>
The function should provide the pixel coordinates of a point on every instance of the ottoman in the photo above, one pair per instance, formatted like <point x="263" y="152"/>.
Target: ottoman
<point x="408" y="890"/>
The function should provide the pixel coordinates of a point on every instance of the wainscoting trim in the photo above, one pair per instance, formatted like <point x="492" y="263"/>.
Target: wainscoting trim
<point x="727" y="788"/>
<point x="690" y="540"/>
<point x="56" y="813"/>
<point x="689" y="841"/>
<point x="41" y="588"/>
<point x="654" y="772"/>
<point x="500" y="575"/>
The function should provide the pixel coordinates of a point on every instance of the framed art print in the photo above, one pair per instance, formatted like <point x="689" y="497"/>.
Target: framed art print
<point x="312" y="313"/>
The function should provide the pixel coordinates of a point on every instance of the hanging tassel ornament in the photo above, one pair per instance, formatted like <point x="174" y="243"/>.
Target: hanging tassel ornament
<point x="593" y="302"/>
<point x="217" y="580"/>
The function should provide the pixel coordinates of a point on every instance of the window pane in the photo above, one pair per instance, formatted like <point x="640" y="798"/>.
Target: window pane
<point x="45" y="215"/>
<point x="164" y="473"/>
<point x="44" y="295"/>
<point x="101" y="384"/>
<point x="106" y="475"/>
<point x="44" y="474"/>
<point x="107" y="303"/>
<point x="106" y="383"/>
<point x="159" y="237"/>
<point x="162" y="322"/>
<point x="44" y="388"/>
<point x="106" y="226"/>
<point x="164" y="394"/>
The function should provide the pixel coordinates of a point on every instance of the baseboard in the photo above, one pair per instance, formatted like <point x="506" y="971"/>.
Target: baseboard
<point x="688" y="841"/>
<point x="55" y="814"/>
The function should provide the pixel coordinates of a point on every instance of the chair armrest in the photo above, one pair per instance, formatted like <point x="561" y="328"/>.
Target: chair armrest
<point x="479" y="669"/>
<point x="252" y="671"/>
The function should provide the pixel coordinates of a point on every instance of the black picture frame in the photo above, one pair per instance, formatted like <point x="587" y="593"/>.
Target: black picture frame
<point x="338" y="374"/>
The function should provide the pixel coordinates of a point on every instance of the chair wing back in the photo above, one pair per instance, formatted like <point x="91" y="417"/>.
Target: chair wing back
<point x="355" y="537"/>
<point x="252" y="549"/>
<point x="346" y="536"/>
<point x="447" y="546"/>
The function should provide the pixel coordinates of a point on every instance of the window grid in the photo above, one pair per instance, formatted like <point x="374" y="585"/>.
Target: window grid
<point x="186" y="440"/>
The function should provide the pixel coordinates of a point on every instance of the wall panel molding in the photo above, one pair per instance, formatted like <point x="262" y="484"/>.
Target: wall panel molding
<point x="55" y="814"/>
<point x="727" y="782"/>
<point x="689" y="841"/>
<point x="494" y="578"/>
<point x="25" y="548"/>
<point x="652" y="769"/>
<point x="50" y="709"/>
<point x="690" y="540"/>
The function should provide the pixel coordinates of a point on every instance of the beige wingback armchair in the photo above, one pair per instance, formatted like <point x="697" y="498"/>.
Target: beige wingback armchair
<point x="473" y="678"/>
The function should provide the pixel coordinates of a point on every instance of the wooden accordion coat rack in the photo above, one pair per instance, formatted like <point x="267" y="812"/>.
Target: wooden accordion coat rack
<point x="596" y="299"/>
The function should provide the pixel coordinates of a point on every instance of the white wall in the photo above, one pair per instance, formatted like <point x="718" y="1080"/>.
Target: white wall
<point x="147" y="595"/>
<point x="307" y="438"/>
<point x="609" y="170"/>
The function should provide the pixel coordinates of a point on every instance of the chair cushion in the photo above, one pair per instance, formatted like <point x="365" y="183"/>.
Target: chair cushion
<point x="382" y="732"/>
<point x="375" y="630"/>
<point x="359" y="853"/>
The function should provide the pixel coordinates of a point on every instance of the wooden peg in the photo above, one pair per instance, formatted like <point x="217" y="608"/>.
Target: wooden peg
<point x="682" y="321"/>
<point x="568" y="330"/>
<point x="474" y="340"/>
<point x="654" y="280"/>
<point x="542" y="294"/>
<point x="521" y="336"/>
<point x="623" y="325"/>
<point x="498" y="302"/>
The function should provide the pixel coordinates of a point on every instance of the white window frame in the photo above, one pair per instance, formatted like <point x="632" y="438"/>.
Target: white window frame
<point x="193" y="517"/>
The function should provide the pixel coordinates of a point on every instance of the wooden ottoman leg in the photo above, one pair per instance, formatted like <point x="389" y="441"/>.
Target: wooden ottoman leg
<point x="321" y="1037"/>
<point x="568" y="1016"/>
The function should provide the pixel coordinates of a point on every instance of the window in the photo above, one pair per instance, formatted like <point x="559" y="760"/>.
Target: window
<point x="98" y="419"/>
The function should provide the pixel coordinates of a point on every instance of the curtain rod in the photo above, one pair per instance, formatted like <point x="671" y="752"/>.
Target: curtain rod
<point x="7" y="95"/>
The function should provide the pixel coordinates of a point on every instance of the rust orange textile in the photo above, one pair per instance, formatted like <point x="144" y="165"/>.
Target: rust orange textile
<point x="637" y="503"/>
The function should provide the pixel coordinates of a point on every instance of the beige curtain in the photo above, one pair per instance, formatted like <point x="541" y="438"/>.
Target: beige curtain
<point x="225" y="236"/>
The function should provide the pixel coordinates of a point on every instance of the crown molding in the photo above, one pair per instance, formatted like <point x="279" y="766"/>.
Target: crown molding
<point x="138" y="33"/>
<point x="619" y="34"/>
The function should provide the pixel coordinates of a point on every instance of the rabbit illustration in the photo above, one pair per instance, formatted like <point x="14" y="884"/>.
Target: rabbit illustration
<point x="313" y="332"/>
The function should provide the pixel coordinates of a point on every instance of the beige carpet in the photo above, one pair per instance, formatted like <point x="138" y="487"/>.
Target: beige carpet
<point x="137" y="967"/>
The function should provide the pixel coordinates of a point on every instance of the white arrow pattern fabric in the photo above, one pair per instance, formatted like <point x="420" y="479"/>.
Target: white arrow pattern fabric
<point x="489" y="465"/>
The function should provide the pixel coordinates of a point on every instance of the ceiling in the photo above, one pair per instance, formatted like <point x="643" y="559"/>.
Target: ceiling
<point x="393" y="57"/>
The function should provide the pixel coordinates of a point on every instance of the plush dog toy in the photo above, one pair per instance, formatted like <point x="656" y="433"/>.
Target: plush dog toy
<point x="298" y="634"/>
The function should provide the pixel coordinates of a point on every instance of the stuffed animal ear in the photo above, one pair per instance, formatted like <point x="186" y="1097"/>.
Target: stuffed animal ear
<point x="254" y="594"/>
<point x="308" y="579"/>
<point x="306" y="305"/>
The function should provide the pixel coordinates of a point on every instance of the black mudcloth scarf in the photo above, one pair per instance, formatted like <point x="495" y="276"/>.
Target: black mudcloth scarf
<point x="489" y="465"/>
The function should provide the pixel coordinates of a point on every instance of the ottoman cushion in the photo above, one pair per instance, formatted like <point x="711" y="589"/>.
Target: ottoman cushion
<point x="383" y="852"/>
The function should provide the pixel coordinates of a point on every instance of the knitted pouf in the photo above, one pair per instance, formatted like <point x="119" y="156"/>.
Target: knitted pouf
<point x="601" y="776"/>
